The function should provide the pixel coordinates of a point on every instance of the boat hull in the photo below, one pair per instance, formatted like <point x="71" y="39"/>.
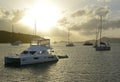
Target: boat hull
<point x="38" y="59"/>
<point x="62" y="56"/>
<point x="69" y="45"/>
<point x="11" y="61"/>
<point x="88" y="44"/>
<point x="103" y="48"/>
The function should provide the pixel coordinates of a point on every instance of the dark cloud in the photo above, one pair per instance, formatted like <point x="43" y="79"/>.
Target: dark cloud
<point x="56" y="32"/>
<point x="60" y="34"/>
<point x="9" y="17"/>
<point x="102" y="11"/>
<point x="112" y="24"/>
<point x="63" y="21"/>
<point x="17" y="15"/>
<point x="91" y="20"/>
<point x="99" y="11"/>
<point x="4" y="25"/>
<point x="104" y="0"/>
<point x="4" y="14"/>
<point x="87" y="28"/>
<point x="79" y="13"/>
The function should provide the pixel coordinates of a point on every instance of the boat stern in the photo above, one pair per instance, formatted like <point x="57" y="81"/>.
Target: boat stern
<point x="12" y="61"/>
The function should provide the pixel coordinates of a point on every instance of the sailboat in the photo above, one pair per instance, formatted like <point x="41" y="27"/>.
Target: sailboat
<point x="14" y="43"/>
<point x="100" y="45"/>
<point x="69" y="44"/>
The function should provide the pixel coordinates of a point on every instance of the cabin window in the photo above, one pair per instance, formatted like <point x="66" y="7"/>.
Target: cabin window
<point x="25" y="52"/>
<point x="23" y="59"/>
<point x="51" y="57"/>
<point x="42" y="52"/>
<point x="32" y="52"/>
<point x="36" y="58"/>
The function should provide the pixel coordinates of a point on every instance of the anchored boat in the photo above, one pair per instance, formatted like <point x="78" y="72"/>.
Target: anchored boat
<point x="69" y="44"/>
<point x="100" y="45"/>
<point x="38" y="52"/>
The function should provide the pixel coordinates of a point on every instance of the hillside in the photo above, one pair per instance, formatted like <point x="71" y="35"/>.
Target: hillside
<point x="111" y="40"/>
<point x="7" y="37"/>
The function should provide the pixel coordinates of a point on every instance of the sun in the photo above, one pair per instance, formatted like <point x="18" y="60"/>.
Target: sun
<point x="45" y="13"/>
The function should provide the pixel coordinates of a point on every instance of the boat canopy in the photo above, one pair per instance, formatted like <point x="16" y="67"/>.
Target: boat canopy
<point x="38" y="48"/>
<point x="41" y="42"/>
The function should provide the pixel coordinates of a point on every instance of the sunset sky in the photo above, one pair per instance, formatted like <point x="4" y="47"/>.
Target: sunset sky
<point x="54" y="18"/>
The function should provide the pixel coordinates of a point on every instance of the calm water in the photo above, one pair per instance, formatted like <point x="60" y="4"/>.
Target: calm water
<point x="83" y="65"/>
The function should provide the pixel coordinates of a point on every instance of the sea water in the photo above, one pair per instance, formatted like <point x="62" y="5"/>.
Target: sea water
<point x="83" y="65"/>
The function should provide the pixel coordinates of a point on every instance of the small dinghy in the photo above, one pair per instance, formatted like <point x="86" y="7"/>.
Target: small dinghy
<point x="62" y="56"/>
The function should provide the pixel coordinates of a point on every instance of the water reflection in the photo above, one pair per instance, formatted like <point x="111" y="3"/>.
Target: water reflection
<point x="83" y="65"/>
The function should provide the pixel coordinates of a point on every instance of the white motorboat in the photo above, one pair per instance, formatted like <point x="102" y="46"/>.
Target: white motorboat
<point x="38" y="52"/>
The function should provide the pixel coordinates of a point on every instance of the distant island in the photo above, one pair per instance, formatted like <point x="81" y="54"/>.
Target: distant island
<point x="111" y="40"/>
<point x="8" y="37"/>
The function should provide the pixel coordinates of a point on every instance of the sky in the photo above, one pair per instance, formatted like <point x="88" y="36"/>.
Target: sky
<point x="53" y="18"/>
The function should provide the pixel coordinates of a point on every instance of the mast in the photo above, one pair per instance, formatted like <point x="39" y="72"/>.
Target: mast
<point x="68" y="35"/>
<point x="35" y="29"/>
<point x="100" y="28"/>
<point x="97" y="33"/>
<point x="12" y="28"/>
<point x="34" y="32"/>
<point x="12" y="33"/>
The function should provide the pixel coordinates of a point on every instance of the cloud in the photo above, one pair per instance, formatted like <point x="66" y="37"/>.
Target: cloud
<point x="9" y="17"/>
<point x="87" y="28"/>
<point x="79" y="13"/>
<point x="17" y="15"/>
<point x="4" y="25"/>
<point x="102" y="11"/>
<point x="57" y="32"/>
<point x="63" y="21"/>
<point x="104" y="0"/>
<point x="4" y="14"/>
<point x="81" y="22"/>
<point x="87" y="20"/>
<point x="113" y="24"/>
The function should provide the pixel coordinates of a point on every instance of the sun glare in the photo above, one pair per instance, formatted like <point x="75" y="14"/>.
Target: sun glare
<point x="45" y="13"/>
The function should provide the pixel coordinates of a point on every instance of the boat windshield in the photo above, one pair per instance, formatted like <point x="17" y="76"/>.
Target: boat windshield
<point x="28" y="52"/>
<point x="25" y="52"/>
<point x="32" y="52"/>
<point x="46" y="51"/>
<point x="42" y="42"/>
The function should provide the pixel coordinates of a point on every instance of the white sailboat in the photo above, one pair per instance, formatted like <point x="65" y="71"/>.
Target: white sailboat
<point x="100" y="45"/>
<point x="14" y="43"/>
<point x="69" y="44"/>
